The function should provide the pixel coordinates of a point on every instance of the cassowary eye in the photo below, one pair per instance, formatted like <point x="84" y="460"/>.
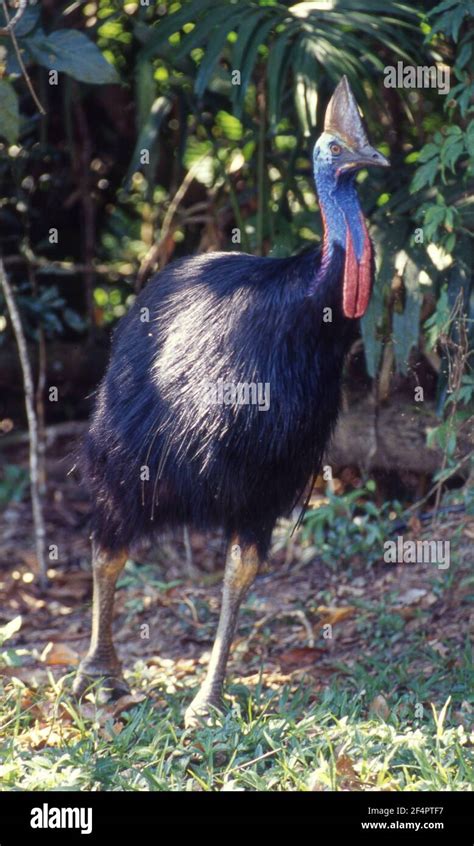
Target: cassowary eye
<point x="335" y="149"/>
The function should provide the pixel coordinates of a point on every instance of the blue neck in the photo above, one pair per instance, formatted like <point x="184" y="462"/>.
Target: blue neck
<point x="340" y="208"/>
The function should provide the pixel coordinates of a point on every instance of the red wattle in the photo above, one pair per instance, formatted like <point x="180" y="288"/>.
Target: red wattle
<point x="357" y="282"/>
<point x="365" y="274"/>
<point x="350" y="283"/>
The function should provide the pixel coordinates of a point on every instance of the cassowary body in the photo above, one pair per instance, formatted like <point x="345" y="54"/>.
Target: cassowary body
<point x="220" y="319"/>
<point x="170" y="444"/>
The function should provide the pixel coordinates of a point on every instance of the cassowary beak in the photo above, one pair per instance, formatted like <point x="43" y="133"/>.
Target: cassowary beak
<point x="343" y="119"/>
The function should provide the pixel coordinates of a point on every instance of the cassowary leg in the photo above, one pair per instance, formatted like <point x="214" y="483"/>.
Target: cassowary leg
<point x="241" y="567"/>
<point x="101" y="661"/>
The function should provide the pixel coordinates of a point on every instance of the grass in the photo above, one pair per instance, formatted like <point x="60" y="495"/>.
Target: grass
<point x="333" y="746"/>
<point x="387" y="705"/>
<point x="352" y="738"/>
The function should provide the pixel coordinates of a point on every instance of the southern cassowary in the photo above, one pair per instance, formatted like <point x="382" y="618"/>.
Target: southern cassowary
<point x="179" y="434"/>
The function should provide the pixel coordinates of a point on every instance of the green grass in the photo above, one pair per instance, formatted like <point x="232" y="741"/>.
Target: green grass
<point x="386" y="706"/>
<point x="266" y="740"/>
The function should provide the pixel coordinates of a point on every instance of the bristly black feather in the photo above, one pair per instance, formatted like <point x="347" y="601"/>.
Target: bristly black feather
<point x="237" y="318"/>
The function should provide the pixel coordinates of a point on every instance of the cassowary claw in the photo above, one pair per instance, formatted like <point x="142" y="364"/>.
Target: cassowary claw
<point x="202" y="711"/>
<point x="106" y="685"/>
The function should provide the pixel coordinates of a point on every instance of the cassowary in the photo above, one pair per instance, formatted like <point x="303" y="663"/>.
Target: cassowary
<point x="179" y="436"/>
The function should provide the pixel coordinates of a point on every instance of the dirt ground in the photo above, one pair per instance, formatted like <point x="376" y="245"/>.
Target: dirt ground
<point x="166" y="611"/>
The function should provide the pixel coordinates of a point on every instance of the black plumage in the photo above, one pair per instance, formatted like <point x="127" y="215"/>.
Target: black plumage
<point x="221" y="316"/>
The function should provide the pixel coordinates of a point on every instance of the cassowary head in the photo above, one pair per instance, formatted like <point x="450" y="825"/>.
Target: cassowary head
<point x="339" y="153"/>
<point x="344" y="148"/>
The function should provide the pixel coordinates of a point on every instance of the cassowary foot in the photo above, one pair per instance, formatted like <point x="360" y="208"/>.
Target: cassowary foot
<point x="202" y="710"/>
<point x="105" y="682"/>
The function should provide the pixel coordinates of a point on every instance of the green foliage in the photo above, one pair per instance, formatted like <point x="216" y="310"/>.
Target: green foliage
<point x="70" y="52"/>
<point x="248" y="138"/>
<point x="465" y="394"/>
<point x="148" y="138"/>
<point x="445" y="165"/>
<point x="406" y="324"/>
<point x="46" y="309"/>
<point x="13" y="483"/>
<point x="10" y="124"/>
<point x="442" y="185"/>
<point x="344" y="527"/>
<point x="64" y="50"/>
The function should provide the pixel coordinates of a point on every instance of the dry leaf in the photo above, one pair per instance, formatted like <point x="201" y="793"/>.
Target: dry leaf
<point x="415" y="525"/>
<point x="407" y="613"/>
<point x="346" y="772"/>
<point x="411" y="596"/>
<point x="109" y="734"/>
<point x="379" y="707"/>
<point x="300" y="656"/>
<point x="40" y="737"/>
<point x="440" y="648"/>
<point x="126" y="702"/>
<point x="59" y="655"/>
<point x="89" y="710"/>
<point x="332" y="615"/>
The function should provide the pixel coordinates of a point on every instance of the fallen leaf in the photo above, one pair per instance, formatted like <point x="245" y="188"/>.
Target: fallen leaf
<point x="429" y="599"/>
<point x="407" y="613"/>
<point x="126" y="702"/>
<point x="411" y="596"/>
<point x="89" y="710"/>
<point x="440" y="648"/>
<point x="415" y="525"/>
<point x="59" y="654"/>
<point x="332" y="615"/>
<point x="40" y="737"/>
<point x="349" y="779"/>
<point x="11" y="628"/>
<point x="300" y="656"/>
<point x="110" y="733"/>
<point x="379" y="707"/>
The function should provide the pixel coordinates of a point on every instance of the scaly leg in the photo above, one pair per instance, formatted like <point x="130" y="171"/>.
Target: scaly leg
<point x="241" y="567"/>
<point x="101" y="661"/>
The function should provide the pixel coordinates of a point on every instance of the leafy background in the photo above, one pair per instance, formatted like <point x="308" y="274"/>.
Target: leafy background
<point x="159" y="78"/>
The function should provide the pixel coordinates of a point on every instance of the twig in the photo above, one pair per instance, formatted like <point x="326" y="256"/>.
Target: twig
<point x="449" y="473"/>
<point x="456" y="368"/>
<point x="42" y="366"/>
<point x="84" y="156"/>
<point x="65" y="267"/>
<point x="253" y="761"/>
<point x="9" y="30"/>
<point x="38" y="516"/>
<point x="282" y="612"/>
<point x="261" y="170"/>
<point x="190" y="568"/>
<point x="154" y="252"/>
<point x="68" y="429"/>
<point x="22" y="5"/>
